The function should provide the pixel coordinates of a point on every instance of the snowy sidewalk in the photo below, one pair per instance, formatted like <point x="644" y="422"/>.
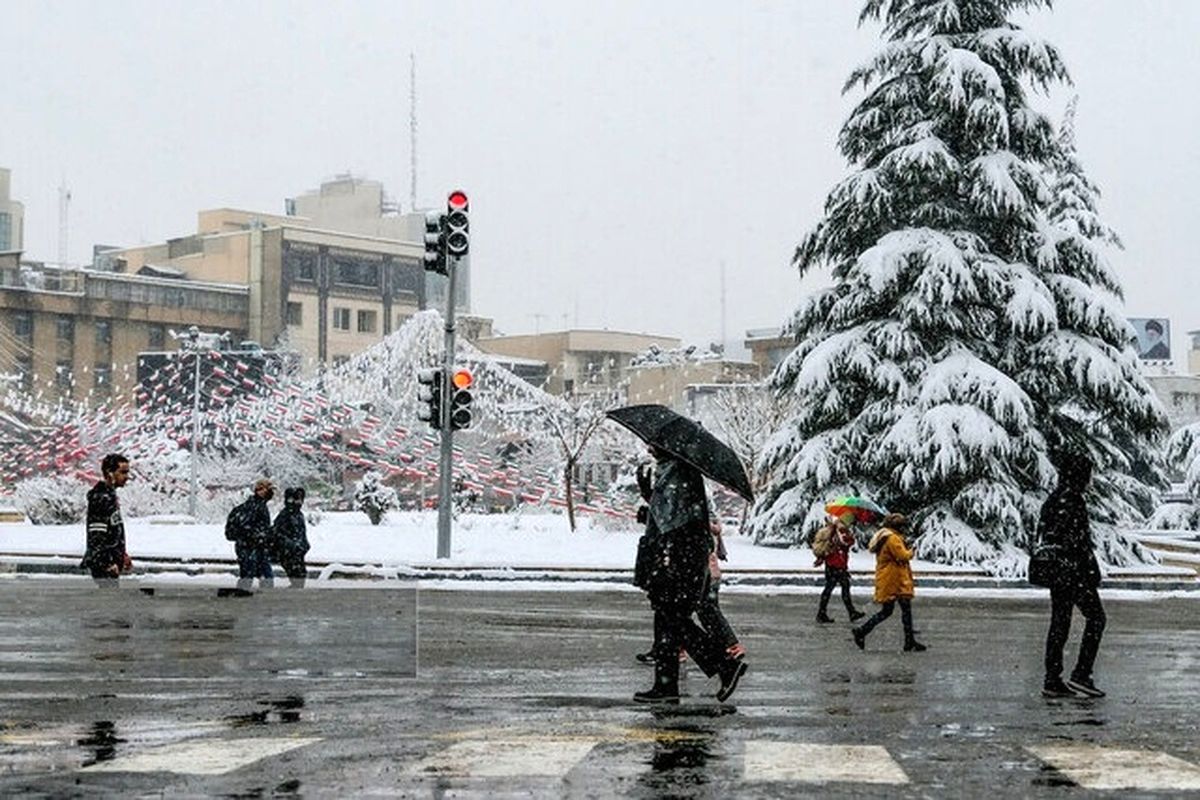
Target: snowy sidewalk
<point x="527" y="547"/>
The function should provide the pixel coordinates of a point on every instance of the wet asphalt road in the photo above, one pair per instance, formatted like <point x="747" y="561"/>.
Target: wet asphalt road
<point x="528" y="694"/>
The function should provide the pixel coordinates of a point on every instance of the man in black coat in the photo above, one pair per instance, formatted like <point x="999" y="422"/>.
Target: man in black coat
<point x="1063" y="523"/>
<point x="249" y="525"/>
<point x="291" y="537"/>
<point x="105" y="554"/>
<point x="675" y="575"/>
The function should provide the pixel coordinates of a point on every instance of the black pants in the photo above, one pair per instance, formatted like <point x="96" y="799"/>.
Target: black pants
<point x="1062" y="603"/>
<point x="675" y="628"/>
<point x="712" y="618"/>
<point x="835" y="576"/>
<point x="886" y="611"/>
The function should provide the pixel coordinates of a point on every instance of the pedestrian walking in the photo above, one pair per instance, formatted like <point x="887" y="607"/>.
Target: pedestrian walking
<point x="710" y="614"/>
<point x="248" y="526"/>
<point x="1063" y="524"/>
<point x="105" y="555"/>
<point x="291" y="538"/>
<point x="676" y="575"/>
<point x="831" y="547"/>
<point x="893" y="581"/>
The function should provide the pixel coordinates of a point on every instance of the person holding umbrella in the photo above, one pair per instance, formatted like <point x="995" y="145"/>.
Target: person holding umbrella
<point x="675" y="565"/>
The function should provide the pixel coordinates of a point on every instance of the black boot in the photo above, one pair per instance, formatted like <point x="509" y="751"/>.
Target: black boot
<point x="824" y="618"/>
<point x="661" y="693"/>
<point x="731" y="673"/>
<point x="913" y="646"/>
<point x="856" y="615"/>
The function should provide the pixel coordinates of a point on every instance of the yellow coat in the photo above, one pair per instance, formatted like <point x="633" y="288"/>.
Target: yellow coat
<point x="893" y="575"/>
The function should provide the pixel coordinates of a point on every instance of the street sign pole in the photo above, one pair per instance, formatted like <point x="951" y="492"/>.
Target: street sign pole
<point x="446" y="468"/>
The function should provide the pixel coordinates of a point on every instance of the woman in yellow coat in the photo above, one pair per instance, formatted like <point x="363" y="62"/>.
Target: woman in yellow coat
<point x="893" y="580"/>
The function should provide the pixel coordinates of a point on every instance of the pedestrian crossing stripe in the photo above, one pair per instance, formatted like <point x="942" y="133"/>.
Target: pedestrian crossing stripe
<point x="201" y="756"/>
<point x="820" y="763"/>
<point x="531" y="756"/>
<point x="1099" y="768"/>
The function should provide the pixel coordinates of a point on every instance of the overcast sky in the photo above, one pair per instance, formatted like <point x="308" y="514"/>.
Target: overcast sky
<point x="616" y="153"/>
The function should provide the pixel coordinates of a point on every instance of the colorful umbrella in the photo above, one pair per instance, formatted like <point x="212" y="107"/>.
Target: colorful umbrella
<point x="863" y="509"/>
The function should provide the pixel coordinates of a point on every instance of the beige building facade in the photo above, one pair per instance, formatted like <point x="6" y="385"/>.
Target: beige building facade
<point x="75" y="335"/>
<point x="579" y="361"/>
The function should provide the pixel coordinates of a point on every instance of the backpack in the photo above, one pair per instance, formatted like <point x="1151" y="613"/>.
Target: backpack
<point x="236" y="522"/>
<point x="822" y="543"/>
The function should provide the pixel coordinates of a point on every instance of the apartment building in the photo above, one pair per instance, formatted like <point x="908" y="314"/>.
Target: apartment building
<point x="12" y="216"/>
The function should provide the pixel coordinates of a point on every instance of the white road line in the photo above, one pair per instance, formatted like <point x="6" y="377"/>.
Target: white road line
<point x="820" y="763"/>
<point x="532" y="756"/>
<point x="201" y="757"/>
<point x="1095" y="767"/>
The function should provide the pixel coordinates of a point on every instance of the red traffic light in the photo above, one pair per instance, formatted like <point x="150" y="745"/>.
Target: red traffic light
<point x="462" y="379"/>
<point x="457" y="200"/>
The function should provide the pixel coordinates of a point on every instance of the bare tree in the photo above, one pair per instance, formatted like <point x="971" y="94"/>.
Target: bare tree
<point x="746" y="414"/>
<point x="573" y="430"/>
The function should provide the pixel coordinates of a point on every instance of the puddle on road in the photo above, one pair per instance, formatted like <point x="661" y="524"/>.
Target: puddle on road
<point x="285" y="711"/>
<point x="102" y="740"/>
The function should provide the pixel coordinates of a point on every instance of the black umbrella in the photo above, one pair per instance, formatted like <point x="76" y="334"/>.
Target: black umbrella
<point x="688" y="441"/>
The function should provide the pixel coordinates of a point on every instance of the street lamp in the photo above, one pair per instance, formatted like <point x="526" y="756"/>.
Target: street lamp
<point x="191" y="340"/>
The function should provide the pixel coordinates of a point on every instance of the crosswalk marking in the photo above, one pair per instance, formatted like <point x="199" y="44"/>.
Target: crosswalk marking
<point x="533" y="756"/>
<point x="1095" y="767"/>
<point x="201" y="756"/>
<point x="820" y="763"/>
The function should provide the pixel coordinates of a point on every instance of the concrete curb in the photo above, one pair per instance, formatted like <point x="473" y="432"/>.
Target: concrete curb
<point x="11" y="564"/>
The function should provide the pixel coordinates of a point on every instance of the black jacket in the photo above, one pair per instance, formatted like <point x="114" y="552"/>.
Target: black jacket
<point x="672" y="563"/>
<point x="254" y="522"/>
<point x="105" y="529"/>
<point x="291" y="539"/>
<point x="1063" y="522"/>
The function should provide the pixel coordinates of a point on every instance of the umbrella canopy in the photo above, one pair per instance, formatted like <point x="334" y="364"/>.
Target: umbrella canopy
<point x="863" y="509"/>
<point x="686" y="440"/>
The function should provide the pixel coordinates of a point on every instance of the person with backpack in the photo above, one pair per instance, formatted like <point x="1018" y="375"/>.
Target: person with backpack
<point x="291" y="539"/>
<point x="893" y="581"/>
<point x="1063" y="523"/>
<point x="831" y="547"/>
<point x="248" y="526"/>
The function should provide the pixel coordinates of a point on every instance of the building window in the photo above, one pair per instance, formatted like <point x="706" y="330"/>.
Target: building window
<point x="62" y="376"/>
<point x="352" y="271"/>
<point x="65" y="326"/>
<point x="339" y="361"/>
<point x="156" y="338"/>
<point x="102" y="374"/>
<point x="25" y="373"/>
<point x="295" y="314"/>
<point x="366" y="321"/>
<point x="5" y="231"/>
<point x="301" y="262"/>
<point x="341" y="319"/>
<point x="23" y="325"/>
<point x="103" y="332"/>
<point x="401" y="319"/>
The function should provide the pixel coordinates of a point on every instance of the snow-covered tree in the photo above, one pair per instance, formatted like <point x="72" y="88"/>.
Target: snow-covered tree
<point x="573" y="431"/>
<point x="1183" y="449"/>
<point x="52" y="499"/>
<point x="1084" y="376"/>
<point x="912" y="379"/>
<point x="374" y="498"/>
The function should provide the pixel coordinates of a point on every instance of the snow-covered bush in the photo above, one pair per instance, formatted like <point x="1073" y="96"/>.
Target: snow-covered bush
<point x="374" y="498"/>
<point x="1183" y="451"/>
<point x="52" y="500"/>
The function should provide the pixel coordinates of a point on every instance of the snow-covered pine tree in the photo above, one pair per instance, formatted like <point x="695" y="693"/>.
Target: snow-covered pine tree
<point x="1183" y="450"/>
<point x="1084" y="376"/>
<point x="906" y="378"/>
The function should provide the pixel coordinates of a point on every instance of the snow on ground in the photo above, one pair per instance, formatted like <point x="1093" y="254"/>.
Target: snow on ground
<point x="477" y="540"/>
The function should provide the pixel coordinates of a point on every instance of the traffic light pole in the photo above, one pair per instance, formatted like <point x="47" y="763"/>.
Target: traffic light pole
<point x="446" y="468"/>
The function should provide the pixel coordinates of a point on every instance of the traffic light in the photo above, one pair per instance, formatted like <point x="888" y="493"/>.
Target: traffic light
<point x="435" y="242"/>
<point x="461" y="399"/>
<point x="458" y="239"/>
<point x="430" y="393"/>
